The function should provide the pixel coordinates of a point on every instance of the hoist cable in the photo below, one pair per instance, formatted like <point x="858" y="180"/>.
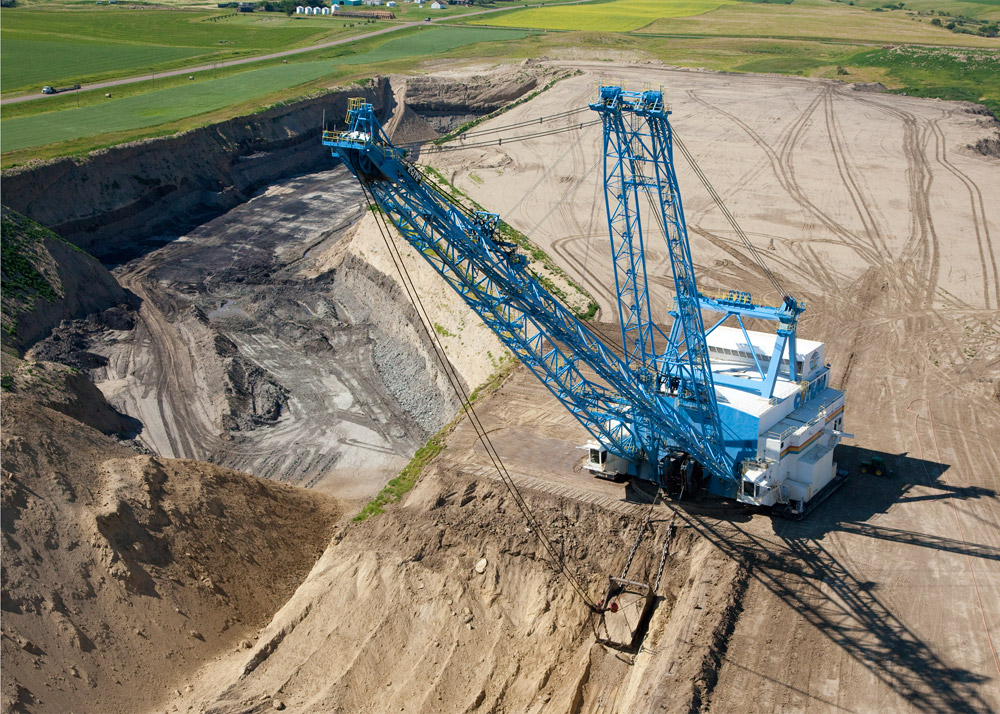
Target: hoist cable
<point x="754" y="254"/>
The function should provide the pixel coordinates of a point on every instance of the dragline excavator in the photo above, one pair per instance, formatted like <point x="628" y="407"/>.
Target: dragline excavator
<point x="740" y="413"/>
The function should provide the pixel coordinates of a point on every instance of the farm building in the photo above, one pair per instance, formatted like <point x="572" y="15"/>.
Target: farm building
<point x="324" y="11"/>
<point x="300" y="10"/>
<point x="391" y="3"/>
<point x="437" y="6"/>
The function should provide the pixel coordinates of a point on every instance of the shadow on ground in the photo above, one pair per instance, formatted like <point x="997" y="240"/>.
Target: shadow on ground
<point x="797" y="566"/>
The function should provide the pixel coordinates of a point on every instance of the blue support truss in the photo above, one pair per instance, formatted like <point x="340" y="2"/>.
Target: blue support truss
<point x="636" y="126"/>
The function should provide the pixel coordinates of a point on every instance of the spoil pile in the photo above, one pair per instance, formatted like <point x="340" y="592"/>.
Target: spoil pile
<point x="449" y="603"/>
<point x="123" y="571"/>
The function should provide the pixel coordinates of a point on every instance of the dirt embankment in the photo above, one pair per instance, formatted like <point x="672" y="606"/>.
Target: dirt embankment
<point x="121" y="571"/>
<point x="449" y="603"/>
<point x="46" y="280"/>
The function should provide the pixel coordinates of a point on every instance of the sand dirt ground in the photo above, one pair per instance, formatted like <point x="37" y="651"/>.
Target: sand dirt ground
<point x="878" y="216"/>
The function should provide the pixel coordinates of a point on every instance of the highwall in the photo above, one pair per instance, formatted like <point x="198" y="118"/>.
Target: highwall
<point x="113" y="198"/>
<point x="115" y="201"/>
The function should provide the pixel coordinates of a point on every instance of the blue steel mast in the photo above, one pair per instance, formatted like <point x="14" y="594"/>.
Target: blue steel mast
<point x="636" y="127"/>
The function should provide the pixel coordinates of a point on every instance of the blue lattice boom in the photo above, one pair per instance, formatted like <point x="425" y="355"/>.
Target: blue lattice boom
<point x="745" y="414"/>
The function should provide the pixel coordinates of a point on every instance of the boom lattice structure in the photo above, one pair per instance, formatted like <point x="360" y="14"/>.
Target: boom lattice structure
<point x="662" y="410"/>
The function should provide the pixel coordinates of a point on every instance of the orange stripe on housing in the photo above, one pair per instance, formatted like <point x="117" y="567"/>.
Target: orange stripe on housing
<point x="797" y="449"/>
<point x="835" y="414"/>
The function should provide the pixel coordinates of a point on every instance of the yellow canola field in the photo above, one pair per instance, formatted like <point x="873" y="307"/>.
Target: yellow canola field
<point x="615" y="16"/>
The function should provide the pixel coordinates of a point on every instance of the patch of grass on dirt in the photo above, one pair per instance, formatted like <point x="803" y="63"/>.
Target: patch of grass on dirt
<point x="25" y="268"/>
<point x="946" y="73"/>
<point x="407" y="479"/>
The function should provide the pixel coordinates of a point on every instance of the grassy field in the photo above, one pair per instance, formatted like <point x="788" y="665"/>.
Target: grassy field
<point x="613" y="16"/>
<point x="818" y="38"/>
<point x="982" y="9"/>
<point x="820" y="21"/>
<point x="153" y="108"/>
<point x="33" y="63"/>
<point x="969" y="75"/>
<point x="61" y="47"/>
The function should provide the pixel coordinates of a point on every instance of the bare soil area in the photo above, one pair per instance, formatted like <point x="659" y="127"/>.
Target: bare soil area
<point x="123" y="571"/>
<point x="880" y="217"/>
<point x="450" y="604"/>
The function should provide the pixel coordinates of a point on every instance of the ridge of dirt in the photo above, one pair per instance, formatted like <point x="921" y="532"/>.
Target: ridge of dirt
<point x="396" y="615"/>
<point x="122" y="572"/>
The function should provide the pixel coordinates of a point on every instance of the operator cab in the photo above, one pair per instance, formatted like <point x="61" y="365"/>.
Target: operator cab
<point x="603" y="464"/>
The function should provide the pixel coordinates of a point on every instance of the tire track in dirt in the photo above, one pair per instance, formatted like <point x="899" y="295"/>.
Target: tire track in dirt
<point x="170" y="359"/>
<point x="922" y="241"/>
<point x="783" y="170"/>
<point x="979" y="221"/>
<point x="841" y="155"/>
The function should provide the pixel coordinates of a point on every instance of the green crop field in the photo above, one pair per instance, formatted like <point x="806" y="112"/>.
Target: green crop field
<point x="982" y="9"/>
<point x="168" y="105"/>
<point x="32" y="63"/>
<point x="819" y="38"/>
<point x="429" y="43"/>
<point x="613" y="16"/>
<point x="814" y="20"/>
<point x="59" y="47"/>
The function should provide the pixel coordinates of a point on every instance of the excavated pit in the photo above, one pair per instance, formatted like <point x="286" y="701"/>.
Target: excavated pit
<point x="276" y="339"/>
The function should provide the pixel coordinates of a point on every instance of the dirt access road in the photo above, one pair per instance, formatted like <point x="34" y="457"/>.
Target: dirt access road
<point x="877" y="215"/>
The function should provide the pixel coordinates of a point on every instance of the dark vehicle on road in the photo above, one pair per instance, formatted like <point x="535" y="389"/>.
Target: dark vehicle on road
<point x="55" y="90"/>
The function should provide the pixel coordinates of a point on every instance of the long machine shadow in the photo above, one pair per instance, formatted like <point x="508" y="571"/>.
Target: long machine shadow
<point x="816" y="585"/>
<point x="797" y="567"/>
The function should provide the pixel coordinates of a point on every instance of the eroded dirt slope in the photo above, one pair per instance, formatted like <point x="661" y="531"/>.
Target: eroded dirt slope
<point x="121" y="571"/>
